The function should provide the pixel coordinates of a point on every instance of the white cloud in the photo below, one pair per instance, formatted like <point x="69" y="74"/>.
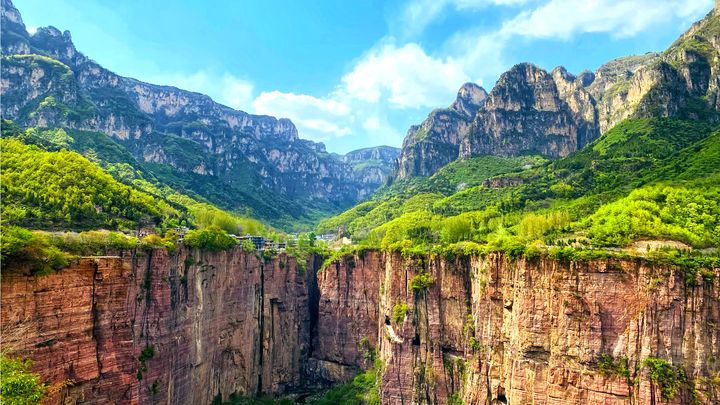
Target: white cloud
<point x="30" y="29"/>
<point x="403" y="79"/>
<point x="224" y="88"/>
<point x="418" y="14"/>
<point x="371" y="124"/>
<point x="406" y="76"/>
<point x="565" y="18"/>
<point x="316" y="118"/>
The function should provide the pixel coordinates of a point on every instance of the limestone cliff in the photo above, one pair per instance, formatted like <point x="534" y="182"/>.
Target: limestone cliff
<point x="555" y="113"/>
<point x="372" y="165"/>
<point x="434" y="143"/>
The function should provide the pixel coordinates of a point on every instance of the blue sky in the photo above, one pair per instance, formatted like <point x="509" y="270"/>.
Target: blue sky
<point x="355" y="73"/>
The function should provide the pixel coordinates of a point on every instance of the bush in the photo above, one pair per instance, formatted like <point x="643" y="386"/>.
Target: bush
<point x="399" y="312"/>
<point x="34" y="249"/>
<point x="154" y="241"/>
<point x="19" y="386"/>
<point x="666" y="376"/>
<point x="211" y="238"/>
<point x="421" y="282"/>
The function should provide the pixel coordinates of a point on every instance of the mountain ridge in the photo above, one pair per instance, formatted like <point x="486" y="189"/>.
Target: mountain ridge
<point x="159" y="124"/>
<point x="531" y="110"/>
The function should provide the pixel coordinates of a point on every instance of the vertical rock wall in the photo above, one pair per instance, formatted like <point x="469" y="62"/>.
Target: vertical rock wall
<point x="149" y="327"/>
<point x="208" y="324"/>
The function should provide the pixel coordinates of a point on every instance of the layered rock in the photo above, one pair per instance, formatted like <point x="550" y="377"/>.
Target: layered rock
<point x="494" y="330"/>
<point x="530" y="111"/>
<point x="372" y="165"/>
<point x="155" y="328"/>
<point x="149" y="327"/>
<point x="434" y="143"/>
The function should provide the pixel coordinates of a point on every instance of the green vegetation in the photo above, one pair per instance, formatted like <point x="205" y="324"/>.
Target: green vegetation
<point x="399" y="312"/>
<point x="18" y="385"/>
<point x="63" y="190"/>
<point x="34" y="250"/>
<point x="212" y="238"/>
<point x="362" y="390"/>
<point x="655" y="179"/>
<point x="610" y="366"/>
<point x="421" y="282"/>
<point x="669" y="378"/>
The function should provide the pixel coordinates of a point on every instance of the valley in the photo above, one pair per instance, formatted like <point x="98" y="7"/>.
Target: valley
<point x="553" y="240"/>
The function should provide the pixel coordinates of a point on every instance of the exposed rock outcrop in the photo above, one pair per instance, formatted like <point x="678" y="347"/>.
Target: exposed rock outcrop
<point x="155" y="328"/>
<point x="372" y="165"/>
<point x="434" y="143"/>
<point x="553" y="114"/>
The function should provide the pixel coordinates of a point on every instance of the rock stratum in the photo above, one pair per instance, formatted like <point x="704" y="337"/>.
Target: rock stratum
<point x="150" y="327"/>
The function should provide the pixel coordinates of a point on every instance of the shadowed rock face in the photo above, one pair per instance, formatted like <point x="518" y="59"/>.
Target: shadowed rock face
<point x="486" y="328"/>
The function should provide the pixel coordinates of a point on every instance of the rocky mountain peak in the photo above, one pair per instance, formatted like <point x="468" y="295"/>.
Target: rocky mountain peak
<point x="14" y="36"/>
<point x="469" y="99"/>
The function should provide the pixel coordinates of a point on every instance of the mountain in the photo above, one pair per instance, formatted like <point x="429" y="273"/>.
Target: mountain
<point x="435" y="143"/>
<point x="258" y="163"/>
<point x="634" y="126"/>
<point x="532" y="111"/>
<point x="372" y="165"/>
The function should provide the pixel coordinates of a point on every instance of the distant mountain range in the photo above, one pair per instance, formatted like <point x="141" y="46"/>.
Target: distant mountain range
<point x="256" y="165"/>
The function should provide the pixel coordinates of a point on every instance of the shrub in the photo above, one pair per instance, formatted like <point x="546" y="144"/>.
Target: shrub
<point x="666" y="376"/>
<point x="34" y="249"/>
<point x="211" y="238"/>
<point x="609" y="366"/>
<point x="147" y="353"/>
<point x="19" y="386"/>
<point x="421" y="282"/>
<point x="399" y="312"/>
<point x="154" y="241"/>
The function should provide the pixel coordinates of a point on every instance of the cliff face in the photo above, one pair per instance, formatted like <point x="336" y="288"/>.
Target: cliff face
<point x="185" y="328"/>
<point x="154" y="328"/>
<point x="372" y="165"/>
<point x="47" y="82"/>
<point x="434" y="143"/>
<point x="494" y="330"/>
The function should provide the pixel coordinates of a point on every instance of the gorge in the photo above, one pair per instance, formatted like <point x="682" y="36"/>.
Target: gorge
<point x="554" y="240"/>
<point x="192" y="326"/>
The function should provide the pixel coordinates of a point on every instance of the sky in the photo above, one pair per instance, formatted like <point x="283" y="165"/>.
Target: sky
<point x="354" y="74"/>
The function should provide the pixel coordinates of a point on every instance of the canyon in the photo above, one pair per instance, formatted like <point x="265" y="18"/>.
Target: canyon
<point x="193" y="326"/>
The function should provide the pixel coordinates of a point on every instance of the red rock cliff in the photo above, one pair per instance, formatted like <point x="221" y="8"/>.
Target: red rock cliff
<point x="208" y="324"/>
<point x="492" y="330"/>
<point x="487" y="330"/>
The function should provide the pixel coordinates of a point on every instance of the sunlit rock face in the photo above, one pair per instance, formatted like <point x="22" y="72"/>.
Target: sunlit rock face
<point x="532" y="111"/>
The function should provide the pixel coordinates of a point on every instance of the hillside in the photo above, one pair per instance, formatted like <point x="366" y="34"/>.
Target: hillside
<point x="651" y="160"/>
<point x="256" y="165"/>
